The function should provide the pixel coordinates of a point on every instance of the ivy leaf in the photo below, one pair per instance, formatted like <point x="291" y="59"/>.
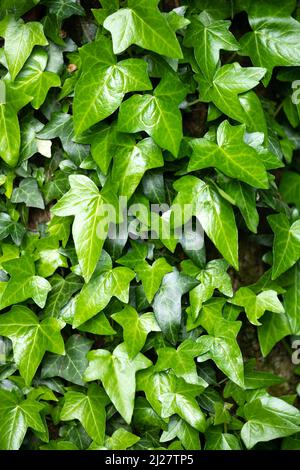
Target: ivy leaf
<point x="12" y="228"/>
<point x="31" y="338"/>
<point x="286" y="247"/>
<point x="135" y="328"/>
<point x="230" y="155"/>
<point x="209" y="35"/>
<point x="20" y="39"/>
<point x="214" y="276"/>
<point x="256" y="305"/>
<point x="214" y="213"/>
<point x="216" y="440"/>
<point x="185" y="406"/>
<point x="272" y="330"/>
<point x="117" y="372"/>
<point x="292" y="302"/>
<point x="17" y="7"/>
<point x="17" y="415"/>
<point x="72" y="365"/>
<point x="102" y="86"/>
<point x="61" y="291"/>
<point x="105" y="284"/>
<point x="220" y="344"/>
<point x="167" y="303"/>
<point x="89" y="230"/>
<point x="10" y="103"/>
<point x="34" y="81"/>
<point x="273" y="43"/>
<point x="89" y="409"/>
<point x="23" y="283"/>
<point x="187" y="435"/>
<point x="156" y="114"/>
<point x="268" y="418"/>
<point x="121" y="440"/>
<point x="152" y="275"/>
<point x="181" y="361"/>
<point x="131" y="162"/>
<point x="64" y="8"/>
<point x="228" y="83"/>
<point x="61" y="125"/>
<point x="244" y="198"/>
<point x="28" y="192"/>
<point x="142" y="24"/>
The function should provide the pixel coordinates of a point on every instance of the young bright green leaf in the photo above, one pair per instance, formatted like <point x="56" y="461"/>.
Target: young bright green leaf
<point x="273" y="42"/>
<point x="152" y="275"/>
<point x="220" y="344"/>
<point x="23" y="283"/>
<point x="142" y="24"/>
<point x="256" y="305"/>
<point x="216" y="440"/>
<point x="187" y="435"/>
<point x="91" y="223"/>
<point x="273" y="329"/>
<point x="135" y="328"/>
<point x="20" y="39"/>
<point x="103" y="84"/>
<point x="286" y="247"/>
<point x="34" y="81"/>
<point x="17" y="414"/>
<point x="214" y="213"/>
<point x="31" y="338"/>
<point x="131" y="162"/>
<point x="181" y="361"/>
<point x="185" y="406"/>
<point x="269" y="418"/>
<point x="213" y="276"/>
<point x="230" y="155"/>
<point x="225" y="88"/>
<point x="209" y="35"/>
<point x="89" y="409"/>
<point x="117" y="373"/>
<point x="156" y="114"/>
<point x="11" y="102"/>
<point x="106" y="283"/>
<point x="61" y="291"/>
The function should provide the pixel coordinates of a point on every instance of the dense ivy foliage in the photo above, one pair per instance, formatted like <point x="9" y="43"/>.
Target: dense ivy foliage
<point x="141" y="340"/>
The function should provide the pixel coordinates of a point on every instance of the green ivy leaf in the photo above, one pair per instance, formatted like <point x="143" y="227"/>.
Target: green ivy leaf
<point x="18" y="414"/>
<point x="142" y="24"/>
<point x="28" y="192"/>
<point x="286" y="247"/>
<point x="167" y="303"/>
<point x="61" y="291"/>
<point x="88" y="205"/>
<point x="20" y="39"/>
<point x="209" y="35"/>
<point x="187" y="435"/>
<point x="23" y="283"/>
<point x="230" y="155"/>
<point x="89" y="409"/>
<point x="152" y="275"/>
<point x="72" y="365"/>
<point x="213" y="276"/>
<point x="117" y="373"/>
<point x="214" y="213"/>
<point x="256" y="305"/>
<point x="156" y="114"/>
<point x="135" y="328"/>
<point x="31" y="338"/>
<point x="64" y="8"/>
<point x="225" y="88"/>
<point x="268" y="418"/>
<point x="34" y="81"/>
<point x="103" y="84"/>
<point x="273" y="42"/>
<point x="106" y="283"/>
